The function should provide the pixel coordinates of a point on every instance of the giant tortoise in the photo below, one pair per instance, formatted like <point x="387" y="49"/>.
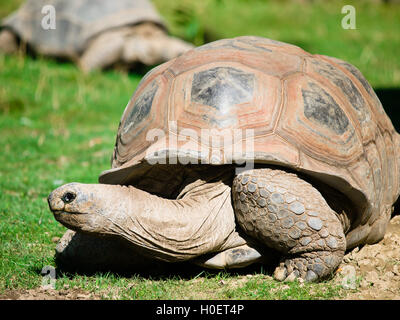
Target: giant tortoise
<point x="94" y="33"/>
<point x="241" y="148"/>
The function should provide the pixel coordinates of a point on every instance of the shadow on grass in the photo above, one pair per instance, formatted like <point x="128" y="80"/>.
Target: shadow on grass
<point x="163" y="271"/>
<point x="82" y="254"/>
<point x="184" y="271"/>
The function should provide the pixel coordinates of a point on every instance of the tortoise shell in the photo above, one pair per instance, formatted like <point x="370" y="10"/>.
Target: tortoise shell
<point x="311" y="113"/>
<point x="77" y="21"/>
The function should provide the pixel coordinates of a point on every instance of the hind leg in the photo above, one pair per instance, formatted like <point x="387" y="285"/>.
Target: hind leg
<point x="288" y="214"/>
<point x="8" y="42"/>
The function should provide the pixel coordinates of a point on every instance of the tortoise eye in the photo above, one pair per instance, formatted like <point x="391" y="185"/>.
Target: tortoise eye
<point x="68" y="197"/>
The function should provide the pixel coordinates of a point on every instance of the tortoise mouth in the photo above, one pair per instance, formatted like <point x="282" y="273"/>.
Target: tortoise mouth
<point x="60" y="212"/>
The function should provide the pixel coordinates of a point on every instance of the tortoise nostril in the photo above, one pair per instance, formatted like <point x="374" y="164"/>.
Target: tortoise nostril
<point x="68" y="197"/>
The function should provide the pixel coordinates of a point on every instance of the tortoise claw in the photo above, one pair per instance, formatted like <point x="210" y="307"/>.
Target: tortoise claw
<point x="310" y="266"/>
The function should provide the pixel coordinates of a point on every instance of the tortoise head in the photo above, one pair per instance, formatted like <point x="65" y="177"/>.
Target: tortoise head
<point x="86" y="207"/>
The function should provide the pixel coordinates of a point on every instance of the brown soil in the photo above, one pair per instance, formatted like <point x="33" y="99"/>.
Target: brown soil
<point x="48" y="294"/>
<point x="373" y="271"/>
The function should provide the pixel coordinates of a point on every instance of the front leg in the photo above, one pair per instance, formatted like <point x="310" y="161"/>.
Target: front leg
<point x="104" y="51"/>
<point x="153" y="49"/>
<point x="8" y="42"/>
<point x="288" y="214"/>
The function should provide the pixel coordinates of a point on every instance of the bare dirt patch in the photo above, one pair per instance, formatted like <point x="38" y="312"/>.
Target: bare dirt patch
<point x="373" y="271"/>
<point x="48" y="294"/>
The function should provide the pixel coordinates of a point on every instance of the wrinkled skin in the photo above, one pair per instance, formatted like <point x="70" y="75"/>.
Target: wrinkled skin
<point x="275" y="209"/>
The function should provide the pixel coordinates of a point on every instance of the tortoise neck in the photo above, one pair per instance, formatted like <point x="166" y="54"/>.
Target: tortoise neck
<point x="201" y="220"/>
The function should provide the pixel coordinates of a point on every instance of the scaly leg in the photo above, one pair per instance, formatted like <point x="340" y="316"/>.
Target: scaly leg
<point x="288" y="214"/>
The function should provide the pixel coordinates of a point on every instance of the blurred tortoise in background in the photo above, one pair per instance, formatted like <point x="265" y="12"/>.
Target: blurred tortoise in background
<point x="94" y="33"/>
<point x="325" y="174"/>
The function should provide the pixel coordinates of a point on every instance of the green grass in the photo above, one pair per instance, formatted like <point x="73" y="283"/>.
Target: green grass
<point x="211" y="286"/>
<point x="58" y="125"/>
